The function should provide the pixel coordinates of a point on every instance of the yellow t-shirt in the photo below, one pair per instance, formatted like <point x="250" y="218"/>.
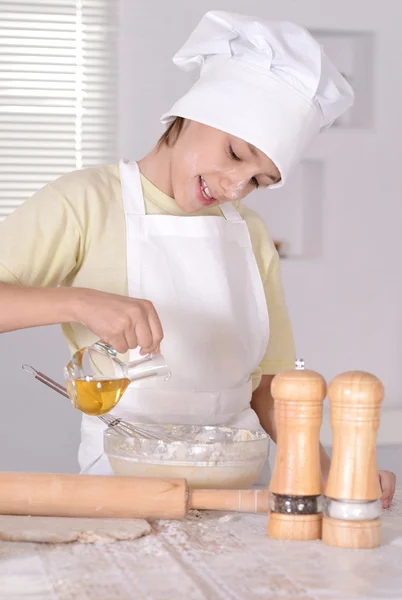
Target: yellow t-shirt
<point x="72" y="233"/>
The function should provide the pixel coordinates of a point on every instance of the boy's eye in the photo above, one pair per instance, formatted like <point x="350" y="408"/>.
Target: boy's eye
<point x="233" y="154"/>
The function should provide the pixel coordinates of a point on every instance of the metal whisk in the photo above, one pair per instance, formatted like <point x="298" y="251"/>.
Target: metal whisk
<point x="121" y="427"/>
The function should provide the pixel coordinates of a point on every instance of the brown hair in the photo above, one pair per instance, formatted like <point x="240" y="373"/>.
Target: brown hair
<point x="170" y="136"/>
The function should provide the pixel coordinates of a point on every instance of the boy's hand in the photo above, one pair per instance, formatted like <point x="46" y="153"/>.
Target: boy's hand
<point x="388" y="484"/>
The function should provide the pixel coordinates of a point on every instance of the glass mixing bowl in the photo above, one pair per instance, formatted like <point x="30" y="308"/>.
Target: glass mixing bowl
<point x="210" y="457"/>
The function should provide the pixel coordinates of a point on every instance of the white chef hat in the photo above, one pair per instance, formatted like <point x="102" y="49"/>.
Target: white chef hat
<point x="266" y="82"/>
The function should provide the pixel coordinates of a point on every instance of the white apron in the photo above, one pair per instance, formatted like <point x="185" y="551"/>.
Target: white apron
<point x="202" y="277"/>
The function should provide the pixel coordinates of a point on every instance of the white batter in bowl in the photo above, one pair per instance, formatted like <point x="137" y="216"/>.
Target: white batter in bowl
<point x="213" y="457"/>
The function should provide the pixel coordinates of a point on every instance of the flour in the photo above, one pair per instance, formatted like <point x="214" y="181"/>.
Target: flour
<point x="215" y="457"/>
<point x="236" y="190"/>
<point x="229" y="518"/>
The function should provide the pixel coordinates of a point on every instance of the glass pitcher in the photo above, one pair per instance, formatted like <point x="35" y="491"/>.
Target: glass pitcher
<point x="96" y="378"/>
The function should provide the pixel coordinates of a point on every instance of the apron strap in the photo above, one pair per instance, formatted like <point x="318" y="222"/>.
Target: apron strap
<point x="230" y="213"/>
<point x="131" y="188"/>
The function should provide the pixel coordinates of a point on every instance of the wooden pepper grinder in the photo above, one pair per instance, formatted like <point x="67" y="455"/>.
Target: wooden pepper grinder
<point x="352" y="506"/>
<point x="295" y="490"/>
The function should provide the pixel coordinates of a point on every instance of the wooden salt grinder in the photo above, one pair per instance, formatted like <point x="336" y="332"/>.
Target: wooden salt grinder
<point x="352" y="513"/>
<point x="295" y="499"/>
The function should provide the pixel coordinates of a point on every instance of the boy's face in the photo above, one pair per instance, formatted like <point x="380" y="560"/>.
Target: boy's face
<point x="210" y="167"/>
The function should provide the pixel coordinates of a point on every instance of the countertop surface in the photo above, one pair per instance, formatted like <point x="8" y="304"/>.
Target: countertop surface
<point x="209" y="556"/>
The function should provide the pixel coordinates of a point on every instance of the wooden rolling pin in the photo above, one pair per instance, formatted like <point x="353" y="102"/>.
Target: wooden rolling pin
<point x="54" y="495"/>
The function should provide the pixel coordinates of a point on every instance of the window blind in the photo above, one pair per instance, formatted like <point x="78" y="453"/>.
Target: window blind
<point x="57" y="92"/>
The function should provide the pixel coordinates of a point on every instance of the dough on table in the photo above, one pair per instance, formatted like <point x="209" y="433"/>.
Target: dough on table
<point x="59" y="530"/>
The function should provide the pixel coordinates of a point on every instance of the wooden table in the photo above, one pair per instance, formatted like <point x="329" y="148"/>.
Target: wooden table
<point x="210" y="556"/>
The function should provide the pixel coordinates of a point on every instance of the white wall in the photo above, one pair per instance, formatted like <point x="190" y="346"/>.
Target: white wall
<point x="39" y="430"/>
<point x="345" y="304"/>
